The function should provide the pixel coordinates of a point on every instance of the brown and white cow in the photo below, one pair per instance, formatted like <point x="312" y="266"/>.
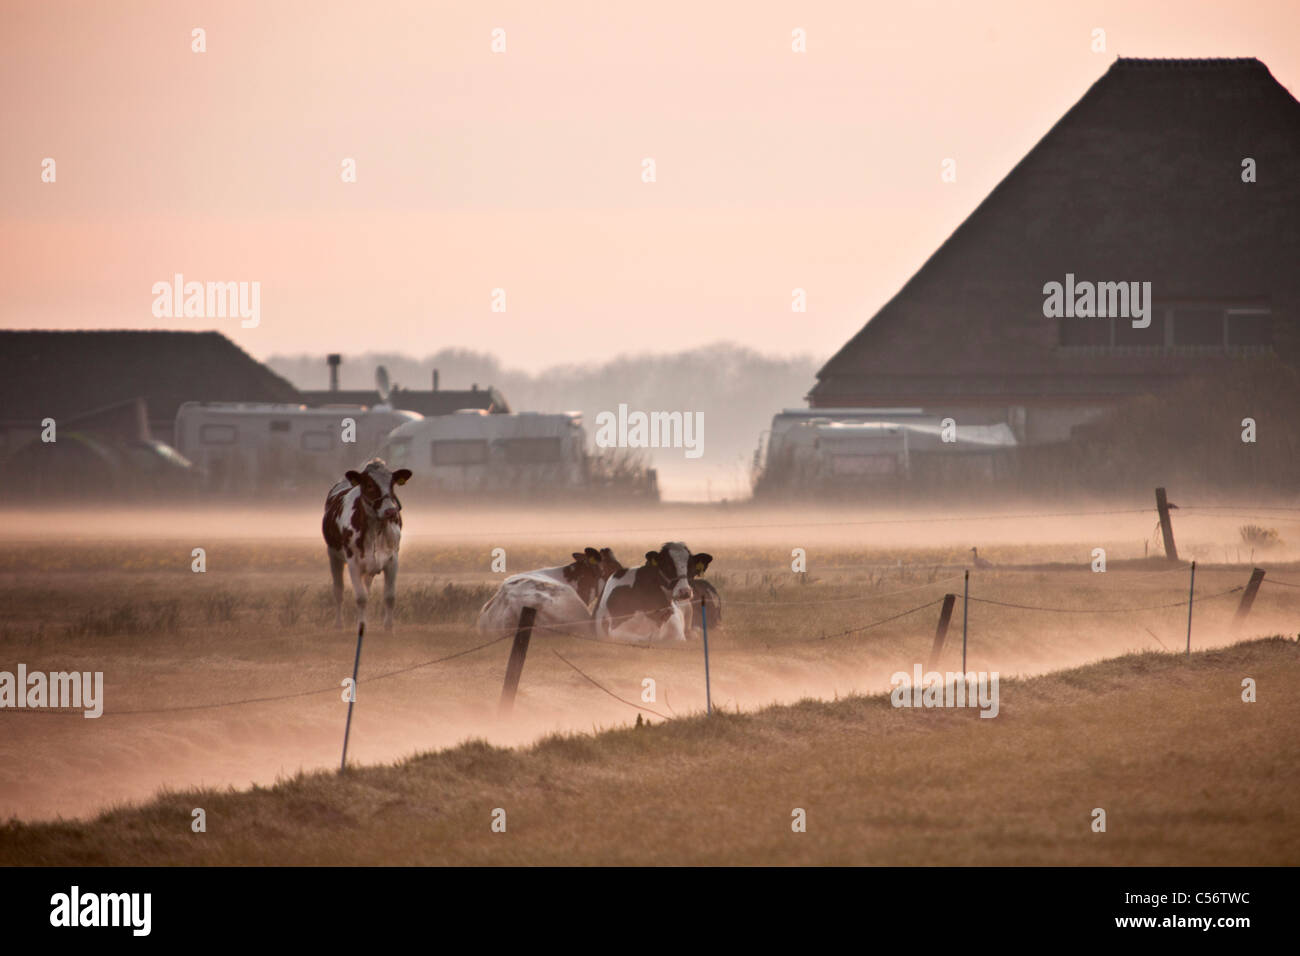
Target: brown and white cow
<point x="363" y="530"/>
<point x="561" y="596"/>
<point x="652" y="602"/>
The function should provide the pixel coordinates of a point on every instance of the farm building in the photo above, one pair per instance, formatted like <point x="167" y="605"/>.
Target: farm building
<point x="1184" y="174"/>
<point x="437" y="401"/>
<point x="68" y="375"/>
<point x="113" y="398"/>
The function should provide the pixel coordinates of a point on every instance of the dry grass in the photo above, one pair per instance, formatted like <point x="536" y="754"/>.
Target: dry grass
<point x="1187" y="772"/>
<point x="257" y="625"/>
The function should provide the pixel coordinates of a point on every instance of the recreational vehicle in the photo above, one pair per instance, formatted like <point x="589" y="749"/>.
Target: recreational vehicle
<point x="882" y="450"/>
<point x="473" y="452"/>
<point x="272" y="447"/>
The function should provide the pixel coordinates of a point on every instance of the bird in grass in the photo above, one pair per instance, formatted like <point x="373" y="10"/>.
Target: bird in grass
<point x="980" y="562"/>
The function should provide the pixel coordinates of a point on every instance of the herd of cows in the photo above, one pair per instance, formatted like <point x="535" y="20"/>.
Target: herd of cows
<point x="594" y="596"/>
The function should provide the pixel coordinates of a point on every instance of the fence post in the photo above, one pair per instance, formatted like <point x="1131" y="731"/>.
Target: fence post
<point x="356" y="665"/>
<point x="941" y="632"/>
<point x="1166" y="526"/>
<point x="704" y="630"/>
<point x="1248" y="598"/>
<point x="518" y="651"/>
<point x="1191" y="594"/>
<point x="965" y="603"/>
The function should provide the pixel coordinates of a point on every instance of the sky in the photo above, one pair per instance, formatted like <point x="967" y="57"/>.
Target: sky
<point x="523" y="171"/>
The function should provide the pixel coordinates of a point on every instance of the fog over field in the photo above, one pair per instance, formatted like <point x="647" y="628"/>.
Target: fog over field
<point x="114" y="591"/>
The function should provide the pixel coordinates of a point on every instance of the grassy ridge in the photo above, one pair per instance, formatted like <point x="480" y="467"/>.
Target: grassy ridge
<point x="1187" y="772"/>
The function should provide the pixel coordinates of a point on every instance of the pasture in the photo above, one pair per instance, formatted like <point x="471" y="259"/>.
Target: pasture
<point x="118" y="595"/>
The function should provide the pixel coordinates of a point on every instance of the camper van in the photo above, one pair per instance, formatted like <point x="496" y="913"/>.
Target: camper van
<point x="473" y="453"/>
<point x="240" y="447"/>
<point x="878" y="450"/>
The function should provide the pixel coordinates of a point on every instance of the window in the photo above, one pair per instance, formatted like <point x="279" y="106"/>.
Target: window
<point x="317" y="441"/>
<point x="1193" y="327"/>
<point x="218" y="434"/>
<point x="280" y="425"/>
<point x="531" y="451"/>
<point x="460" y="452"/>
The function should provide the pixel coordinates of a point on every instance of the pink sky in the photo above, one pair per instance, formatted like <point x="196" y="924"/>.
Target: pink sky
<point x="522" y="170"/>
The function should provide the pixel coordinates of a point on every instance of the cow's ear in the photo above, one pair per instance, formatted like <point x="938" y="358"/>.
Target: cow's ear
<point x="700" y="562"/>
<point x="401" y="476"/>
<point x="652" y="557"/>
<point x="353" y="478"/>
<point x="578" y="557"/>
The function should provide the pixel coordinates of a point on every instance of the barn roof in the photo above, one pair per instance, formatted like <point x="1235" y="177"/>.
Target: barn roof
<point x="64" y="374"/>
<point x="1139" y="181"/>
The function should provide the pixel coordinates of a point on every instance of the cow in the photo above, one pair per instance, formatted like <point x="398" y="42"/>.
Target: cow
<point x="707" y="595"/>
<point x="561" y="596"/>
<point x="363" y="530"/>
<point x="651" y="602"/>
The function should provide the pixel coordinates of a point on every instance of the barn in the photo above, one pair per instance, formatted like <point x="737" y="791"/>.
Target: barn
<point x="113" y="396"/>
<point x="1184" y="174"/>
<point x="146" y="375"/>
<point x="1142" y="180"/>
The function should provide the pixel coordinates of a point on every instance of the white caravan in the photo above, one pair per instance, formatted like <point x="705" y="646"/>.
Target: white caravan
<point x="473" y="452"/>
<point x="262" y="447"/>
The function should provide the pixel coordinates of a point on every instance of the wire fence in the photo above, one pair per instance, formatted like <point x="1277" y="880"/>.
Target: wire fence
<point x="565" y="629"/>
<point x="572" y="628"/>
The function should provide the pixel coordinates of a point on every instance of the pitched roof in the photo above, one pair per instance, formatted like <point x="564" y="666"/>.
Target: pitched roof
<point x="64" y="374"/>
<point x="1139" y="181"/>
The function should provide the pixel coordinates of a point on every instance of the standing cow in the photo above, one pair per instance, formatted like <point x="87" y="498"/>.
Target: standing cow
<point x="561" y="596"/>
<point x="363" y="530"/>
<point x="651" y="602"/>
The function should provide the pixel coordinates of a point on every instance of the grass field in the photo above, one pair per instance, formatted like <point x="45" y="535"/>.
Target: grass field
<point x="255" y="625"/>
<point x="1186" y="772"/>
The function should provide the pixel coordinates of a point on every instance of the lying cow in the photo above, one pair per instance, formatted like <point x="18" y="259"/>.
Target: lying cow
<point x="363" y="530"/>
<point x="561" y="596"/>
<point x="651" y="602"/>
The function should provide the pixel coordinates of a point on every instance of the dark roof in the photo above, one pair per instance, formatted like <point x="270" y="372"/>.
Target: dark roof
<point x="64" y="374"/>
<point x="1139" y="181"/>
<point x="441" y="402"/>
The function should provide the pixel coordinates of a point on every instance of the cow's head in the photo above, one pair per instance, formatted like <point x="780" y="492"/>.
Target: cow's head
<point x="584" y="574"/>
<point x="609" y="565"/>
<point x="379" y="488"/>
<point x="676" y="567"/>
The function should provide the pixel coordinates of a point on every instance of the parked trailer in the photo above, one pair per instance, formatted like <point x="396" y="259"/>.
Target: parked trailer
<point x="880" y="450"/>
<point x="242" y="447"/>
<point x="472" y="452"/>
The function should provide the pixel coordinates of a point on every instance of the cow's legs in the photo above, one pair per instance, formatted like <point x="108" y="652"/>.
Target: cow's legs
<point x="361" y="588"/>
<point x="336" y="573"/>
<point x="390" y="591"/>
